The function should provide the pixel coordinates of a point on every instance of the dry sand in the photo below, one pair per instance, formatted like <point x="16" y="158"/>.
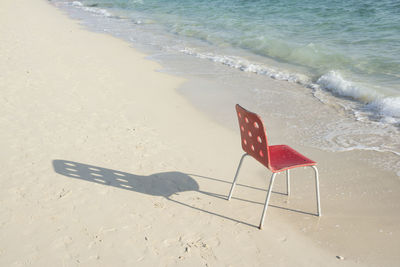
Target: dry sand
<point x="104" y="164"/>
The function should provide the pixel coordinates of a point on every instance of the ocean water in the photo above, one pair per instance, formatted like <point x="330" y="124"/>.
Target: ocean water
<point x="345" y="53"/>
<point x="349" y="48"/>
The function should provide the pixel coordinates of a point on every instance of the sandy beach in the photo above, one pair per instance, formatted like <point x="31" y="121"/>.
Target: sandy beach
<point x="105" y="163"/>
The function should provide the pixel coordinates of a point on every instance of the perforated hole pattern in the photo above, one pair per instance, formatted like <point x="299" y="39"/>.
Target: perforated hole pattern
<point x="254" y="141"/>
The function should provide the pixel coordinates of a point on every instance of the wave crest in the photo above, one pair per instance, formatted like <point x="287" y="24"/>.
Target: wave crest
<point x="388" y="108"/>
<point x="247" y="66"/>
<point x="335" y="83"/>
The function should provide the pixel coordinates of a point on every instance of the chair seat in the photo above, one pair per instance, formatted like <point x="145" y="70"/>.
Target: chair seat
<point x="283" y="157"/>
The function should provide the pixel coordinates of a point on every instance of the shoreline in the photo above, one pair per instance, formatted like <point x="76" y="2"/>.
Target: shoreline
<point x="76" y="97"/>
<point x="376" y="100"/>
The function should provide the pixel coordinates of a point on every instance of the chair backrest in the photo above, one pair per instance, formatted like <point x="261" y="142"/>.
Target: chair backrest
<point x="253" y="135"/>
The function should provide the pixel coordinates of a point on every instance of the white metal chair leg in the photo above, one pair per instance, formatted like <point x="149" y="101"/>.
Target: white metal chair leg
<point x="267" y="200"/>
<point x="288" y="182"/>
<point x="236" y="175"/>
<point x="317" y="190"/>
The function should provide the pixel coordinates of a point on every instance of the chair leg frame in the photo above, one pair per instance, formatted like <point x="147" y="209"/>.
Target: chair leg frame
<point x="317" y="190"/>
<point x="287" y="182"/>
<point x="271" y="184"/>
<point x="236" y="175"/>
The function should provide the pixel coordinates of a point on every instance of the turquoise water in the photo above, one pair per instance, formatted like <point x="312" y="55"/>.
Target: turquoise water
<point x="348" y="48"/>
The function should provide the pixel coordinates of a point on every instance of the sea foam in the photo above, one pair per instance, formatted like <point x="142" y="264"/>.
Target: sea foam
<point x="95" y="10"/>
<point x="247" y="66"/>
<point x="388" y="108"/>
<point x="335" y="83"/>
<point x="385" y="107"/>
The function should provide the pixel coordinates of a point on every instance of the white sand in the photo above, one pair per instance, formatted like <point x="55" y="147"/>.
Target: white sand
<point x="104" y="164"/>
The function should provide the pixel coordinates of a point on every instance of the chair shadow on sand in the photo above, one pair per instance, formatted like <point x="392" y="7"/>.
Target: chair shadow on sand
<point x="163" y="184"/>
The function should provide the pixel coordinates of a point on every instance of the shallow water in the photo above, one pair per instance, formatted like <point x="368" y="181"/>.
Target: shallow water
<point x="344" y="56"/>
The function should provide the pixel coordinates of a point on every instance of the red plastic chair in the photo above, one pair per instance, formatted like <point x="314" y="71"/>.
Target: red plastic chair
<point x="277" y="158"/>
